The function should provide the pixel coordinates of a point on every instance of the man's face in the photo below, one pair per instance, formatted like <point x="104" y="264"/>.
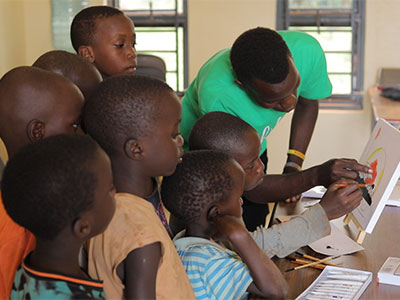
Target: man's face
<point x="278" y="96"/>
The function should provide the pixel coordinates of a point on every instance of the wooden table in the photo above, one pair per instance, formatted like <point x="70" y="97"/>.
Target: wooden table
<point x="384" y="107"/>
<point x="383" y="242"/>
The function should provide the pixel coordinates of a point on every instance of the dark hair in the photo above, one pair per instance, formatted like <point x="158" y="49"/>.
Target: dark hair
<point x="74" y="67"/>
<point x="123" y="107"/>
<point x="260" y="53"/>
<point x="83" y="25"/>
<point x="202" y="179"/>
<point x="50" y="183"/>
<point x="219" y="131"/>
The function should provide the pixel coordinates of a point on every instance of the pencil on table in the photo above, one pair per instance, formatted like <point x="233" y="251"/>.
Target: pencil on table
<point x="302" y="262"/>
<point x="314" y="258"/>
<point x="313" y="263"/>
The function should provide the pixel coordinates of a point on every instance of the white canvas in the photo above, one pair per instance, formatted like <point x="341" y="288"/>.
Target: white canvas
<point x="382" y="154"/>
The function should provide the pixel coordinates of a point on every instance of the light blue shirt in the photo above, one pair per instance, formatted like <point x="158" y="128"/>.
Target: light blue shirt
<point x="215" y="273"/>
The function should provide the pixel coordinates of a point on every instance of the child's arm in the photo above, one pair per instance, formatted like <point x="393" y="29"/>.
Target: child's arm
<point x="140" y="271"/>
<point x="268" y="281"/>
<point x="313" y="224"/>
<point x="276" y="188"/>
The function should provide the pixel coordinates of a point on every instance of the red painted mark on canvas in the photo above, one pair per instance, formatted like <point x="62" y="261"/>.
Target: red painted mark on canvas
<point x="379" y="132"/>
<point x="373" y="166"/>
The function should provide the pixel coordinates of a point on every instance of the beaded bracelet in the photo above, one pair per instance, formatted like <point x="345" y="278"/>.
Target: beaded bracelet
<point x="297" y="153"/>
<point x="293" y="165"/>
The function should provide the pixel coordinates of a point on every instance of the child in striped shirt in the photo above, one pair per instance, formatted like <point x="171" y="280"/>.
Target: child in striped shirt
<point x="205" y="193"/>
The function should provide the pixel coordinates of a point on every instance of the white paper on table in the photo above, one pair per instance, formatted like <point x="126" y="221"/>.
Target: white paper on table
<point x="337" y="243"/>
<point x="315" y="192"/>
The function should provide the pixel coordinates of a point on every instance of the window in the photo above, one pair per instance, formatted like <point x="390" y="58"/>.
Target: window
<point x="161" y="30"/>
<point x="339" y="27"/>
<point x="62" y="14"/>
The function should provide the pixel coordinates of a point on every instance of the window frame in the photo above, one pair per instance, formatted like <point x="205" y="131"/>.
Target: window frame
<point x="165" y="18"/>
<point x="354" y="17"/>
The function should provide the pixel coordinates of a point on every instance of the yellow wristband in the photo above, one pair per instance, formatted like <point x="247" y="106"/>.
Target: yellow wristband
<point x="297" y="153"/>
<point x="293" y="165"/>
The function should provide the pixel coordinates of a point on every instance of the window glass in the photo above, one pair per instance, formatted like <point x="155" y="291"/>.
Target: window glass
<point x="160" y="30"/>
<point x="320" y="4"/>
<point x="154" y="4"/>
<point x="339" y="28"/>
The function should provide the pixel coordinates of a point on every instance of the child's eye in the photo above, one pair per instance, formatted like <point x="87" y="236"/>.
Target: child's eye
<point x="118" y="46"/>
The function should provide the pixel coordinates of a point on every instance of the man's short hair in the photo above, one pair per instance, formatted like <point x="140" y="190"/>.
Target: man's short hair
<point x="219" y="131"/>
<point x="260" y="53"/>
<point x="124" y="107"/>
<point x="83" y="25"/>
<point x="200" y="180"/>
<point x="50" y="183"/>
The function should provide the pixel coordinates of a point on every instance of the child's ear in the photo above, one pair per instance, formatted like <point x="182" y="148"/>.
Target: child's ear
<point x="133" y="149"/>
<point x="36" y="130"/>
<point x="212" y="213"/>
<point x="82" y="228"/>
<point x="86" y="52"/>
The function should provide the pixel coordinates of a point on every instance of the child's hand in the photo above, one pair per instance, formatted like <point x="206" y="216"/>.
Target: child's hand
<point x="335" y="169"/>
<point x="339" y="200"/>
<point x="227" y="226"/>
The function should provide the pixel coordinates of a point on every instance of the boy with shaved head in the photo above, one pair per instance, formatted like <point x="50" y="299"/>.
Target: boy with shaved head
<point x="34" y="104"/>
<point x="225" y="132"/>
<point x="77" y="69"/>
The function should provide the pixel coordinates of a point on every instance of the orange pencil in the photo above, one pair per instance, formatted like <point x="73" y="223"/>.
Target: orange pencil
<point x="314" y="258"/>
<point x="303" y="262"/>
<point x="346" y="184"/>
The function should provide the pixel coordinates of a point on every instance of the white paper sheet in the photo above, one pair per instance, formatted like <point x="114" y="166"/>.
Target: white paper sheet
<point x="337" y="243"/>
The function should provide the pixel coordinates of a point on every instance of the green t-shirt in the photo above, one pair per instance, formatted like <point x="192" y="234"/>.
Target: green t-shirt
<point x="214" y="88"/>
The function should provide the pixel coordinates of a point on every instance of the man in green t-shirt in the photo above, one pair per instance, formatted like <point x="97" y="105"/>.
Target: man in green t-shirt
<point x="263" y="76"/>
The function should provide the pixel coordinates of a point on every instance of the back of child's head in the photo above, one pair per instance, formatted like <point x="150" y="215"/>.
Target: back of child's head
<point x="83" y="26"/>
<point x="49" y="184"/>
<point x="260" y="53"/>
<point x="219" y="131"/>
<point x="201" y="180"/>
<point x="36" y="103"/>
<point x="124" y="107"/>
<point x="77" y="69"/>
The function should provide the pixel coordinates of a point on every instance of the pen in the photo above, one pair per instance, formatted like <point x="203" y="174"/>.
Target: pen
<point x="353" y="277"/>
<point x="313" y="263"/>
<point x="333" y="290"/>
<point x="314" y="258"/>
<point x="342" y="282"/>
<point x="329" y="295"/>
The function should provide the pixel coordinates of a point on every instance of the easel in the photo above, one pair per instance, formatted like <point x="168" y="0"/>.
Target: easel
<point x="361" y="233"/>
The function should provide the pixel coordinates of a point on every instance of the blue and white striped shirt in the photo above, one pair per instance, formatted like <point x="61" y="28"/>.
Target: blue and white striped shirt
<point x="215" y="272"/>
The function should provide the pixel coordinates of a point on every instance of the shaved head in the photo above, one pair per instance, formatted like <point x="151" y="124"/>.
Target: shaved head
<point x="77" y="69"/>
<point x="35" y="103"/>
<point x="218" y="130"/>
